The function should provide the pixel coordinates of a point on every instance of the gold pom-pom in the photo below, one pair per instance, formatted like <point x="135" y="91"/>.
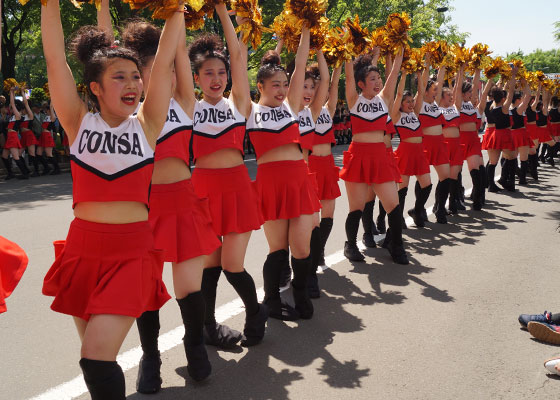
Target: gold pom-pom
<point x="162" y="9"/>
<point x="82" y="88"/>
<point x="287" y="27"/>
<point x="251" y="29"/>
<point x="495" y="67"/>
<point x="397" y="28"/>
<point x="437" y="50"/>
<point x="310" y="11"/>
<point x="413" y="60"/>
<point x="479" y="57"/>
<point x="358" y="39"/>
<point x="335" y="49"/>
<point x="318" y="35"/>
<point x="460" y="54"/>
<point x="194" y="20"/>
<point x="9" y="84"/>
<point x="46" y="90"/>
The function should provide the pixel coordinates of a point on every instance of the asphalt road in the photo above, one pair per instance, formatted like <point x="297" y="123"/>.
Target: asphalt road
<point x="443" y="327"/>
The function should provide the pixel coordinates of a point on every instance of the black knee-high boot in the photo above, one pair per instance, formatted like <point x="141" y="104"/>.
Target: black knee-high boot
<point x="325" y="227"/>
<point x="381" y="227"/>
<point x="483" y="183"/>
<point x="552" y="153"/>
<point x="192" y="312"/>
<point x="256" y="314"/>
<point x="477" y="196"/>
<point x="273" y="265"/>
<point x="422" y="196"/>
<point x="418" y="192"/>
<point x="402" y="198"/>
<point x="442" y="192"/>
<point x="454" y="195"/>
<point x="523" y="172"/>
<point x="54" y="163"/>
<point x="149" y="377"/>
<point x="313" y="281"/>
<point x="45" y="164"/>
<point x="533" y="170"/>
<point x="512" y="165"/>
<point x="544" y="151"/>
<point x="301" y="267"/>
<point x="215" y="334"/>
<point x="23" y="169"/>
<point x="351" y="250"/>
<point x="8" y="165"/>
<point x="461" y="191"/>
<point x="395" y="243"/>
<point x="35" y="162"/>
<point x="492" y="187"/>
<point x="367" y="223"/>
<point x="104" y="379"/>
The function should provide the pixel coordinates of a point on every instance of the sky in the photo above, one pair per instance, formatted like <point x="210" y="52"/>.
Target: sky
<point x="507" y="26"/>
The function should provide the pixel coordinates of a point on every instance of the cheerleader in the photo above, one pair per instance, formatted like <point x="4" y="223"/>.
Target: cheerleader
<point x="366" y="162"/>
<point x="13" y="145"/>
<point x="498" y="140"/>
<point x="554" y="120"/>
<point x="531" y="113"/>
<point x="543" y="131"/>
<point x="221" y="177"/>
<point x="286" y="194"/>
<point x="519" y="134"/>
<point x="28" y="140"/>
<point x="107" y="272"/>
<point x="13" y="262"/>
<point x="179" y="219"/>
<point x="46" y="144"/>
<point x="432" y="121"/>
<point x="410" y="155"/>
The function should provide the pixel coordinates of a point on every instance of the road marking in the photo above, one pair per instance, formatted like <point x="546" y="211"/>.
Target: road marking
<point x="131" y="358"/>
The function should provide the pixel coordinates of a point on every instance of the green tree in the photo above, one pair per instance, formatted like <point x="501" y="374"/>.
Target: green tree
<point x="547" y="61"/>
<point x="557" y="31"/>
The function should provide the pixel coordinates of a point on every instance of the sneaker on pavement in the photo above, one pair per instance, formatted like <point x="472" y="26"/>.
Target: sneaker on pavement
<point x="550" y="365"/>
<point x="544" y="332"/>
<point x="524" y="319"/>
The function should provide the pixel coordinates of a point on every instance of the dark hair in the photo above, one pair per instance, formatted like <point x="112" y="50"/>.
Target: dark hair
<point x="312" y="72"/>
<point x="205" y="47"/>
<point x="497" y="94"/>
<point x="270" y="64"/>
<point x="516" y="96"/>
<point x="554" y="101"/>
<point x="466" y="87"/>
<point x="430" y="83"/>
<point x="446" y="89"/>
<point x="362" y="67"/>
<point x="406" y="93"/>
<point x="19" y="104"/>
<point x="142" y="37"/>
<point x="93" y="47"/>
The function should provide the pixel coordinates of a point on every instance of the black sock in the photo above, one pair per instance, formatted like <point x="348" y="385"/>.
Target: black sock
<point x="271" y="273"/>
<point x="422" y="197"/>
<point x="8" y="165"/>
<point x="104" y="379"/>
<point x="315" y="246"/>
<point x="352" y="225"/>
<point x="325" y="227"/>
<point x="209" y="286"/>
<point x="491" y="173"/>
<point x="395" y="225"/>
<point x="382" y="212"/>
<point x="367" y="217"/>
<point x="192" y="312"/>
<point x="402" y="196"/>
<point x="301" y="268"/>
<point x="54" y="162"/>
<point x="148" y="329"/>
<point x="244" y="285"/>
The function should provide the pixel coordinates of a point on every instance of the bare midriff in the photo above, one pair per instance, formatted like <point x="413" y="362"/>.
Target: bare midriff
<point x="223" y="158"/>
<point x="435" y="130"/>
<point x="451" y="132"/>
<point x="111" y="212"/>
<point x="286" y="152"/>
<point x="170" y="170"/>
<point x="368" y="137"/>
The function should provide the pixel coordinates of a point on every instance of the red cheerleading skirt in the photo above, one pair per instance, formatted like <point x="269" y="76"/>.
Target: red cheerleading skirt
<point x="521" y="138"/>
<point x="231" y="198"/>
<point x="498" y="139"/>
<point x="532" y="130"/>
<point x="181" y="222"/>
<point x="367" y="163"/>
<point x="13" y="262"/>
<point x="470" y="144"/>
<point x="28" y="138"/>
<point x="393" y="165"/>
<point x="326" y="174"/>
<point x="435" y="149"/>
<point x="286" y="189"/>
<point x="339" y="127"/>
<point x="13" y="141"/>
<point x="411" y="159"/>
<point x="456" y="151"/>
<point x="106" y="269"/>
<point x="543" y="134"/>
<point x="46" y="139"/>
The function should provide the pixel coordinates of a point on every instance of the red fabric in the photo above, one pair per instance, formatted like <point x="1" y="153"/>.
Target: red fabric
<point x="286" y="189"/>
<point x="46" y="139"/>
<point x="554" y="129"/>
<point x="360" y="125"/>
<point x="181" y="222"/>
<point x="28" y="138"/>
<point x="348" y="125"/>
<point x="426" y="120"/>
<point x="543" y="134"/>
<point x="326" y="174"/>
<point x="264" y="141"/>
<point x="328" y="137"/>
<point x="532" y="129"/>
<point x="231" y="198"/>
<point x="367" y="163"/>
<point x="232" y="139"/>
<point x="339" y="127"/>
<point x="13" y="262"/>
<point x="106" y="269"/>
<point x="13" y="141"/>
<point x="407" y="133"/>
<point x="435" y="149"/>
<point x="456" y="153"/>
<point x="521" y="138"/>
<point x="498" y="139"/>
<point x="306" y="140"/>
<point x="470" y="144"/>
<point x="411" y="159"/>
<point x="175" y="145"/>
<point x="393" y="165"/>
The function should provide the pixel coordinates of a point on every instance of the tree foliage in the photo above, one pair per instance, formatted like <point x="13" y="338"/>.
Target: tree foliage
<point x="547" y="61"/>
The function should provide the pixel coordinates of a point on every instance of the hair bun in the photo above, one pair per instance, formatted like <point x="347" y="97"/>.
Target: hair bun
<point x="313" y="71"/>
<point x="206" y="44"/>
<point x="142" y="37"/>
<point x="271" y="57"/>
<point x="362" y="61"/>
<point x="88" y="40"/>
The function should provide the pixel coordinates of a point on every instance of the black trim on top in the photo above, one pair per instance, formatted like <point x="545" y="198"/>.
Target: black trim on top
<point x="369" y="120"/>
<point x="112" y="177"/>
<point x="275" y="131"/>
<point x="325" y="133"/>
<point x="229" y="128"/>
<point x="306" y="133"/>
<point x="183" y="128"/>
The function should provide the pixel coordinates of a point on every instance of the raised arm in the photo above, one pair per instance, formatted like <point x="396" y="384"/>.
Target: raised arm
<point x="545" y="101"/>
<point x="71" y="109"/>
<point x="242" y="46"/>
<point x="240" y="89"/>
<point x="104" y="18"/>
<point x="153" y="111"/>
<point x="484" y="96"/>
<point x="375" y="52"/>
<point x="526" y="98"/>
<point x="388" y="91"/>
<point x="323" y="89"/>
<point x="333" y="91"/>
<point x="439" y="83"/>
<point x="52" y="114"/>
<point x="184" y="92"/>
<point x="476" y="92"/>
<point x="395" y="110"/>
<point x="536" y="99"/>
<point x="295" y="90"/>
<point x="458" y="88"/>
<point x="15" y="111"/>
<point x="26" y="105"/>
<point x="510" y="90"/>
<point x="422" y="82"/>
<point x="351" y="92"/>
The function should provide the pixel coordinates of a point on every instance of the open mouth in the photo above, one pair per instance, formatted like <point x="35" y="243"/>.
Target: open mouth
<point x="307" y="99"/>
<point x="279" y="98"/>
<point x="129" y="99"/>
<point x="216" y="88"/>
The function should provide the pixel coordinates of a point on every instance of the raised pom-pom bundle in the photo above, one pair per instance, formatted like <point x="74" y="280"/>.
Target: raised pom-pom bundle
<point x="357" y="39"/>
<point x="496" y="66"/>
<point x="437" y="50"/>
<point x="335" y="50"/>
<point x="413" y="60"/>
<point x="397" y="28"/>
<point x="478" y="57"/>
<point x="251" y="29"/>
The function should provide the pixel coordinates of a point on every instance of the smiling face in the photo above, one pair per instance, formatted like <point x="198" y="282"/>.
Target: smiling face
<point x="309" y="89"/>
<point x="467" y="96"/>
<point x="407" y="104"/>
<point x="274" y="90"/>
<point x="119" y="89"/>
<point x="446" y="98"/>
<point x="372" y="84"/>
<point x="431" y="92"/>
<point x="212" y="79"/>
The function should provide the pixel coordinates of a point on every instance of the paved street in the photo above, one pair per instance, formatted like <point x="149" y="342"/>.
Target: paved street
<point x="443" y="327"/>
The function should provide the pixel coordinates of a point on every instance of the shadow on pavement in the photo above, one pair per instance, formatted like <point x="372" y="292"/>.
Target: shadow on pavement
<point x="16" y="194"/>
